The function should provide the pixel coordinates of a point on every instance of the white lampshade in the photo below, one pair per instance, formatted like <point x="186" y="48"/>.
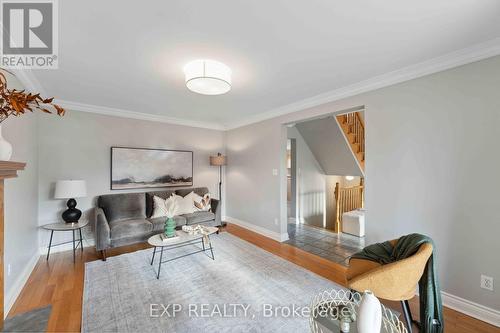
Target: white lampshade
<point x="66" y="189"/>
<point x="207" y="77"/>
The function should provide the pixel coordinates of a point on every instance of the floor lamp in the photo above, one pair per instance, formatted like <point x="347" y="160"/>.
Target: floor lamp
<point x="219" y="160"/>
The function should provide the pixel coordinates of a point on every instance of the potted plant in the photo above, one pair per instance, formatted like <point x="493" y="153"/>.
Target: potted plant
<point x="16" y="103"/>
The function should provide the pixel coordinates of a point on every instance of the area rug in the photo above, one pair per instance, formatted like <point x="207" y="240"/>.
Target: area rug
<point x="31" y="321"/>
<point x="245" y="289"/>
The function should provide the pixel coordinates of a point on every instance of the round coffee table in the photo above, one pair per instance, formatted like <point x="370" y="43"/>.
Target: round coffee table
<point x="325" y="305"/>
<point x="63" y="226"/>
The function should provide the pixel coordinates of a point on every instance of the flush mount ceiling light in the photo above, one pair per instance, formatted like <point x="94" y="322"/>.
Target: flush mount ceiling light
<point x="349" y="178"/>
<point x="207" y="77"/>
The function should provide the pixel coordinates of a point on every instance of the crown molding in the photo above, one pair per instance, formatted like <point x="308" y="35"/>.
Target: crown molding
<point x="461" y="57"/>
<point x="29" y="80"/>
<point x="115" y="112"/>
<point x="31" y="83"/>
<point x="454" y="59"/>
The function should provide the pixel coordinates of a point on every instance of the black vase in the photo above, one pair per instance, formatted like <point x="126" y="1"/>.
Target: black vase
<point x="72" y="214"/>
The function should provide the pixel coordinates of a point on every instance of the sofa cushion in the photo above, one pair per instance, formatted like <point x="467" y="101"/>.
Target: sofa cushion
<point x="201" y="191"/>
<point x="129" y="228"/>
<point x="199" y="217"/>
<point x="164" y="207"/>
<point x="149" y="199"/>
<point x="185" y="205"/>
<point x="123" y="206"/>
<point x="159" y="222"/>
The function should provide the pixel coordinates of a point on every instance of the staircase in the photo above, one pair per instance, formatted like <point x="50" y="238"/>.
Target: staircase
<point x="354" y="130"/>
<point x="327" y="142"/>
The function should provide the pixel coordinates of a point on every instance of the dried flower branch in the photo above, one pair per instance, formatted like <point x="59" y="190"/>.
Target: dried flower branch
<point x="17" y="102"/>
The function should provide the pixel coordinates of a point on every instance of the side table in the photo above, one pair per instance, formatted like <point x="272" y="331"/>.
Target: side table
<point x="62" y="226"/>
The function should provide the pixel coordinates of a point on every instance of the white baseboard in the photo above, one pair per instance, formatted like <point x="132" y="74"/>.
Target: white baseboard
<point x="472" y="309"/>
<point x="13" y="293"/>
<point x="260" y="230"/>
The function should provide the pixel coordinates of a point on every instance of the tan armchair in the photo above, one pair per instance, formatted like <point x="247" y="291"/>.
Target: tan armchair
<point x="396" y="281"/>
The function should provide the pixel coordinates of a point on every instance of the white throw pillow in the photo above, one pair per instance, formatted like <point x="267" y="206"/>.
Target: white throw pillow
<point x="185" y="205"/>
<point x="202" y="204"/>
<point x="160" y="206"/>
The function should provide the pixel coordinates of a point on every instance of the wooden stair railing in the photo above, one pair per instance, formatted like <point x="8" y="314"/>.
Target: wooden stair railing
<point x="347" y="199"/>
<point x="354" y="129"/>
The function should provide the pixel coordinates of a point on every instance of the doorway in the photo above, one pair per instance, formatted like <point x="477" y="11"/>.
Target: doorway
<point x="325" y="183"/>
<point x="291" y="184"/>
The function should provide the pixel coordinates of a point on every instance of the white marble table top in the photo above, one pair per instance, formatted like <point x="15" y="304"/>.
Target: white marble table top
<point x="63" y="226"/>
<point x="182" y="237"/>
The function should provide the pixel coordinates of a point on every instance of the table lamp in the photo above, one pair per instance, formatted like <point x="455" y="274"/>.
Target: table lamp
<point x="70" y="189"/>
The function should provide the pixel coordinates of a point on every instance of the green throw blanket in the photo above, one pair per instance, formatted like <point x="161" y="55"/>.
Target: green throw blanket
<point x="431" y="308"/>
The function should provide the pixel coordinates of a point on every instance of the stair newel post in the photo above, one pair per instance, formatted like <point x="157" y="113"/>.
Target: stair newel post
<point x="337" y="207"/>
<point x="362" y="189"/>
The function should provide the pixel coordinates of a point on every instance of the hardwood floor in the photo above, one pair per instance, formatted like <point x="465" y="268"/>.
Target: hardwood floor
<point x="59" y="282"/>
<point x="455" y="322"/>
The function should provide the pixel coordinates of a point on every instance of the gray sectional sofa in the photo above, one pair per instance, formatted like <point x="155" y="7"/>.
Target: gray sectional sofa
<point x="125" y="218"/>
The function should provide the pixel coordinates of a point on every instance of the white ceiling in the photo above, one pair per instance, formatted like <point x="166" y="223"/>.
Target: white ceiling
<point x="129" y="55"/>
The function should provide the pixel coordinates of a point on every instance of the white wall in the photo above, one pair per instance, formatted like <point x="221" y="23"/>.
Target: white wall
<point x="77" y="146"/>
<point x="310" y="183"/>
<point x="428" y="140"/>
<point x="21" y="202"/>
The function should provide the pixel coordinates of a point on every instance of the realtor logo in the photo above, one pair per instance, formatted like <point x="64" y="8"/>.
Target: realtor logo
<point x="29" y="34"/>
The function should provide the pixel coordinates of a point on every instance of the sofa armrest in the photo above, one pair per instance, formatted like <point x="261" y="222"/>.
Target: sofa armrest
<point x="216" y="209"/>
<point x="102" y="232"/>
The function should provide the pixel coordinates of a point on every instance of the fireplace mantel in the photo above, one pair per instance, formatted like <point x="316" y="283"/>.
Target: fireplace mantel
<point x="8" y="169"/>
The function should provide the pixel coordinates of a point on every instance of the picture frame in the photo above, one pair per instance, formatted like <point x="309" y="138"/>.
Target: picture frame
<point x="139" y="168"/>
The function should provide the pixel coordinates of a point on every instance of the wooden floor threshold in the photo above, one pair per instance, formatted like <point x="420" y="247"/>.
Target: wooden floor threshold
<point x="321" y="266"/>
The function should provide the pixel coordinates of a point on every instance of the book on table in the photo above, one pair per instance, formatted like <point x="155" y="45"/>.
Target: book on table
<point x="164" y="237"/>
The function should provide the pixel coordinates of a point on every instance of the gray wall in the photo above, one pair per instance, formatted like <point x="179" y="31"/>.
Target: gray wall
<point x="327" y="142"/>
<point x="250" y="169"/>
<point x="77" y="146"/>
<point x="21" y="199"/>
<point x="310" y="183"/>
<point x="428" y="141"/>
